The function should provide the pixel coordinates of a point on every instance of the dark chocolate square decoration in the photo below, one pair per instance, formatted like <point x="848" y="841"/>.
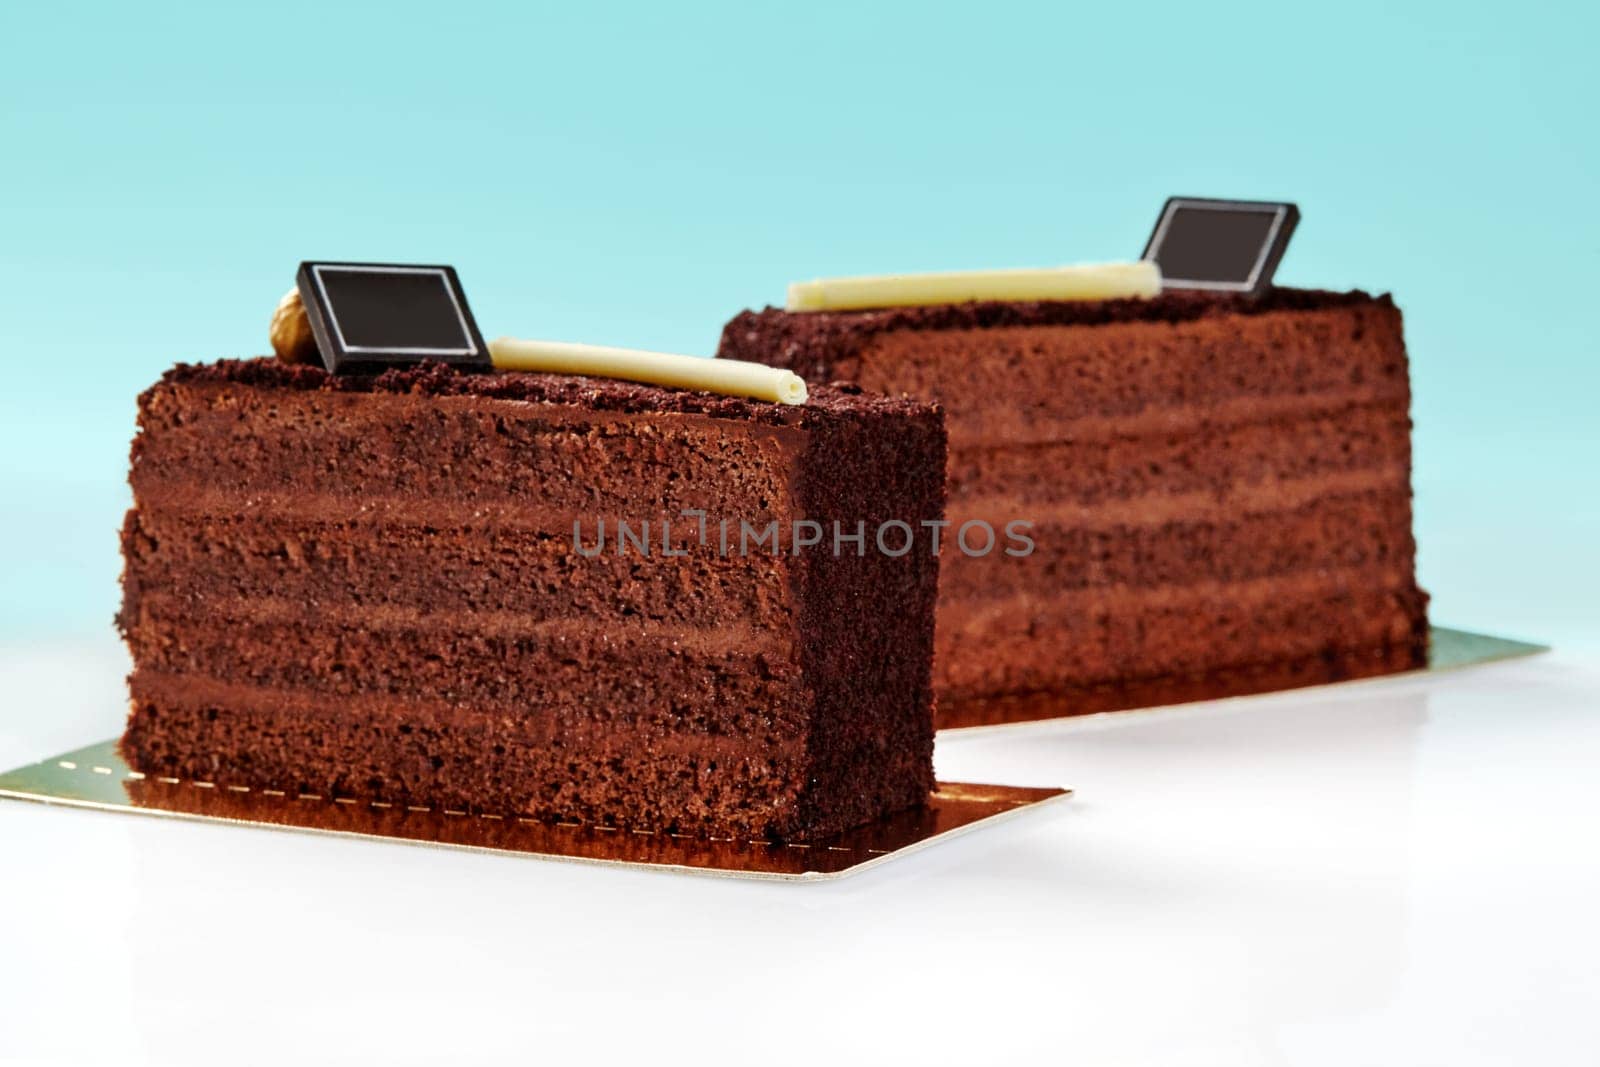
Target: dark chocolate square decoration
<point x="1225" y="245"/>
<point x="368" y="317"/>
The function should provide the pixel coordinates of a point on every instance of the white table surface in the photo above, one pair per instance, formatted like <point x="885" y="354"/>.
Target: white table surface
<point x="1395" y="872"/>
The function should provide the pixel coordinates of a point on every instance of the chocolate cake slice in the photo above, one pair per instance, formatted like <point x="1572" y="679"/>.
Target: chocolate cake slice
<point x="394" y="588"/>
<point x="1218" y="488"/>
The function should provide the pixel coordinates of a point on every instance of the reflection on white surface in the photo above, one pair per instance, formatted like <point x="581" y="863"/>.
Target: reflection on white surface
<point x="1398" y="872"/>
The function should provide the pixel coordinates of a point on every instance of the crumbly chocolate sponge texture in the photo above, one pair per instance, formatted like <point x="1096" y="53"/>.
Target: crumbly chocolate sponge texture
<point x="376" y="587"/>
<point x="1218" y="487"/>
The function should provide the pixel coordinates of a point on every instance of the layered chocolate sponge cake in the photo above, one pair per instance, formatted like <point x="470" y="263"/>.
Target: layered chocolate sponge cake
<point x="1218" y="488"/>
<point x="512" y="593"/>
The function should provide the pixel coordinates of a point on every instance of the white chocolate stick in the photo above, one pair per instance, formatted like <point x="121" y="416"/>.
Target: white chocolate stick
<point x="1089" y="281"/>
<point x="730" y="377"/>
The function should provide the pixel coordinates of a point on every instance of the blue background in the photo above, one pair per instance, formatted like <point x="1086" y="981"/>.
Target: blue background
<point x="636" y="174"/>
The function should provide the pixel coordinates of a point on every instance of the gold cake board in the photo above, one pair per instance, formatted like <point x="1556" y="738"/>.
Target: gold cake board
<point x="1448" y="650"/>
<point x="95" y="777"/>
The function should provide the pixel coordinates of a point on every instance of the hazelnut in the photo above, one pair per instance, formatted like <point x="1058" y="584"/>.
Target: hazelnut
<point x="291" y="331"/>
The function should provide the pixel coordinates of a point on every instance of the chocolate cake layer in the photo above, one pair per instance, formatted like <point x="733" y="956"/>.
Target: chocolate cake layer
<point x="1173" y="460"/>
<point x="430" y="756"/>
<point x="1196" y="474"/>
<point x="821" y="345"/>
<point x="722" y="687"/>
<point x="373" y="587"/>
<point x="1330" y="665"/>
<point x="1023" y="385"/>
<point x="357" y="448"/>
<point x="1243" y="546"/>
<point x="477" y="567"/>
<point x="1200" y="628"/>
